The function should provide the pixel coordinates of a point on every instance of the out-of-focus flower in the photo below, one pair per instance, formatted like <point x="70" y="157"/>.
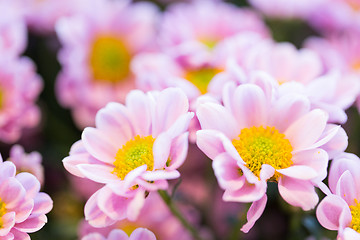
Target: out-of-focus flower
<point x="341" y="210"/>
<point x="155" y="216"/>
<point x="192" y="33"/>
<point x="22" y="206"/>
<point x="263" y="136"/>
<point x="336" y="15"/>
<point x="27" y="162"/>
<point x="98" y="45"/>
<point x="41" y="16"/>
<point x="331" y="91"/>
<point x="133" y="149"/>
<point x="117" y="234"/>
<point x="286" y="8"/>
<point x="20" y="86"/>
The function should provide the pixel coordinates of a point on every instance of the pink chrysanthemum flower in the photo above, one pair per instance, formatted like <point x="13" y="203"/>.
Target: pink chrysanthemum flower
<point x="285" y="8"/>
<point x="117" y="234"/>
<point x="341" y="210"/>
<point x="192" y="32"/>
<point x="266" y="137"/>
<point x="20" y="86"/>
<point x="133" y="149"/>
<point x="12" y="29"/>
<point x="336" y="15"/>
<point x="155" y="216"/>
<point x="27" y="162"/>
<point x="22" y="206"/>
<point x="98" y="45"/>
<point x="332" y="91"/>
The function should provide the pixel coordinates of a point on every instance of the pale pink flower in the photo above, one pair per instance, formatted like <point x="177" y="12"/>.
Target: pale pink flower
<point x="340" y="210"/>
<point x="336" y="15"/>
<point x="155" y="216"/>
<point x="13" y="34"/>
<point x="285" y="8"/>
<point x="20" y="87"/>
<point x="134" y="148"/>
<point x="117" y="234"/>
<point x="259" y="136"/>
<point x="98" y="44"/>
<point x="22" y="206"/>
<point x="330" y="91"/>
<point x="192" y="32"/>
<point x="27" y="162"/>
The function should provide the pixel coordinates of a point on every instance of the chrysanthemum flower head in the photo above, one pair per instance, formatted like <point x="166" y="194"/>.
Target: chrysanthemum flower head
<point x="259" y="136"/>
<point x="98" y="45"/>
<point x="340" y="210"/>
<point x="133" y="148"/>
<point x="27" y="162"/>
<point x="116" y="234"/>
<point x="22" y="206"/>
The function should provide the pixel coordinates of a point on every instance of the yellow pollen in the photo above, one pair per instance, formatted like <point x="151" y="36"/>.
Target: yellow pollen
<point x="259" y="145"/>
<point x="135" y="153"/>
<point x="109" y="59"/>
<point x="201" y="77"/>
<point x="355" y="214"/>
<point x="1" y="98"/>
<point x="2" y="212"/>
<point x="210" y="43"/>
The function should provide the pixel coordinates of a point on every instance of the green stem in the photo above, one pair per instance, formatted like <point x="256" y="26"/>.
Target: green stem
<point x="175" y="211"/>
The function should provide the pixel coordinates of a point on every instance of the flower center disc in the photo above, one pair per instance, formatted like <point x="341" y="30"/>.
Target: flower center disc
<point x="2" y="212"/>
<point x="355" y="214"/>
<point x="133" y="154"/>
<point x="109" y="59"/>
<point x="259" y="145"/>
<point x="201" y="77"/>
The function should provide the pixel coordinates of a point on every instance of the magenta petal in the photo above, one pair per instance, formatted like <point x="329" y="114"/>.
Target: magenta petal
<point x="254" y="213"/>
<point x="98" y="173"/>
<point x="98" y="145"/>
<point x="329" y="210"/>
<point x="306" y="130"/>
<point x="142" y="234"/>
<point x="299" y="193"/>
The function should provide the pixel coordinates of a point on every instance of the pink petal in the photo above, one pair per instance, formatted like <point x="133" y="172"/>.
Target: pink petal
<point x="98" y="173"/>
<point x="161" y="150"/>
<point x="8" y="220"/>
<point x="171" y="103"/>
<point x="346" y="188"/>
<point x="142" y="234"/>
<point x="139" y="105"/>
<point x="42" y="204"/>
<point x="153" y="186"/>
<point x="30" y="183"/>
<point x="24" y="210"/>
<point x="210" y="142"/>
<point x="135" y="205"/>
<point x="12" y="192"/>
<point x="255" y="211"/>
<point x="71" y="163"/>
<point x="247" y="193"/>
<point x="131" y="177"/>
<point x="316" y="158"/>
<point x="181" y="125"/>
<point x="97" y="236"/>
<point x="298" y="193"/>
<point x="32" y="224"/>
<point x="249" y="106"/>
<point x="160" y="175"/>
<point x="299" y="172"/>
<point x="329" y="210"/>
<point x="178" y="151"/>
<point x="350" y="233"/>
<point x="7" y="170"/>
<point x="306" y="130"/>
<point x="118" y="234"/>
<point x="19" y="235"/>
<point x="216" y="117"/>
<point x="99" y="145"/>
<point x="112" y="205"/>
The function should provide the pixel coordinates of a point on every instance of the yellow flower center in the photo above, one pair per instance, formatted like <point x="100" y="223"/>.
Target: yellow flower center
<point x="135" y="153"/>
<point x="355" y="214"/>
<point x="1" y="98"/>
<point x="210" y="43"/>
<point x="2" y="212"/>
<point x="109" y="59"/>
<point x="201" y="77"/>
<point x="259" y="145"/>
